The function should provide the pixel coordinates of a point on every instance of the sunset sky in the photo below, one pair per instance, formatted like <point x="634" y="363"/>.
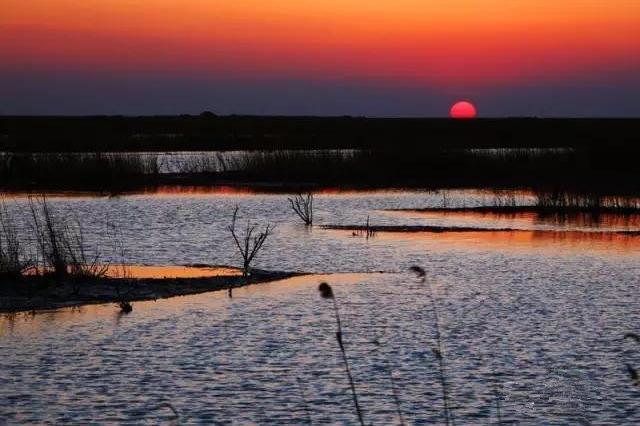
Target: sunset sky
<point x="330" y="57"/>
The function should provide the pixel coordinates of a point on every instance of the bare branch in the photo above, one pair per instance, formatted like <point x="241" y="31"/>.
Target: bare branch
<point x="250" y="243"/>
<point x="302" y="205"/>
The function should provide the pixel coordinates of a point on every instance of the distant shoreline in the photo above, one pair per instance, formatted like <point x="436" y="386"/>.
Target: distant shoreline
<point x="89" y="153"/>
<point x="207" y="132"/>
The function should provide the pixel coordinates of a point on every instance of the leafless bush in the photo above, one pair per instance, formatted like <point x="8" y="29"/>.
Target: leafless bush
<point x="302" y="205"/>
<point x="251" y="242"/>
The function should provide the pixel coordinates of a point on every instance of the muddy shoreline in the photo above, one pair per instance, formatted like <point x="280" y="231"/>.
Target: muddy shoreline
<point x="47" y="293"/>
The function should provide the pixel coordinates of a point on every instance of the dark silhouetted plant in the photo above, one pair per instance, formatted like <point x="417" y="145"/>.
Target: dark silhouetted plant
<point x="13" y="261"/>
<point x="302" y="205"/>
<point x="251" y="242"/>
<point x="61" y="244"/>
<point x="495" y="385"/>
<point x="633" y="373"/>
<point x="366" y="231"/>
<point x="50" y="235"/>
<point x="303" y="397"/>
<point x="438" y="350"/>
<point x="125" y="306"/>
<point x="327" y="293"/>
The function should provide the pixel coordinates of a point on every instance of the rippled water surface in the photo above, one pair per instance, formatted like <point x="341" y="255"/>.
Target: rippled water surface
<point x="536" y="317"/>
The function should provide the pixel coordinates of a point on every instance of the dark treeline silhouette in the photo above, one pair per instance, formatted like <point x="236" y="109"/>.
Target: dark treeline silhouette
<point x="583" y="155"/>
<point x="210" y="132"/>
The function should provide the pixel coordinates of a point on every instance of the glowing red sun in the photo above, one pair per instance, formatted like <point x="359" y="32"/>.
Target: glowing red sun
<point x="463" y="109"/>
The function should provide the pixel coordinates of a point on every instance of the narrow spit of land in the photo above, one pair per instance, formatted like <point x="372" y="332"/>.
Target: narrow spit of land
<point x="45" y="293"/>
<point x="373" y="229"/>
<point x="532" y="209"/>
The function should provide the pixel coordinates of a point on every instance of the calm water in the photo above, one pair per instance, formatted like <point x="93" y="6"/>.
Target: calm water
<point x="541" y="312"/>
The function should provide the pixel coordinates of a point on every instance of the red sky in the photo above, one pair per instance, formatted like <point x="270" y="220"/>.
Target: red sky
<point x="475" y="45"/>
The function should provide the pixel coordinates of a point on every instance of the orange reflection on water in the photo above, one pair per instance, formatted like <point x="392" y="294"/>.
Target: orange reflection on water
<point x="293" y="284"/>
<point x="159" y="272"/>
<point x="214" y="300"/>
<point x="580" y="220"/>
<point x="138" y="271"/>
<point x="171" y="190"/>
<point x="575" y="241"/>
<point x="175" y="190"/>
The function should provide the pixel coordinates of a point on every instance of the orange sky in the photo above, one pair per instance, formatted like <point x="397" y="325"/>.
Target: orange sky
<point x="423" y="42"/>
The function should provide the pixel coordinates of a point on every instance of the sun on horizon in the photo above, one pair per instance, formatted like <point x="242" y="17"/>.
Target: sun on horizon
<point x="463" y="110"/>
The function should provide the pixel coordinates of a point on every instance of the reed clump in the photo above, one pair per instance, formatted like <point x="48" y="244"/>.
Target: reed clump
<point x="61" y="243"/>
<point x="76" y="170"/>
<point x="563" y="201"/>
<point x="14" y="261"/>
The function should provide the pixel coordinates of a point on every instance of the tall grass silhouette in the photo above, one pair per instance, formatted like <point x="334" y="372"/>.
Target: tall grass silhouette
<point x="326" y="292"/>
<point x="438" y="349"/>
<point x="87" y="170"/>
<point x="61" y="243"/>
<point x="13" y="259"/>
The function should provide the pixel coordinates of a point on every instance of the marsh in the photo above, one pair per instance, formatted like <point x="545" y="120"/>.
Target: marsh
<point x="541" y="311"/>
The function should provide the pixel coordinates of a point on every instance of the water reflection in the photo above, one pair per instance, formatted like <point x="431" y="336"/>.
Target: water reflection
<point x="540" y="241"/>
<point x="528" y="219"/>
<point x="555" y="349"/>
<point x="144" y="271"/>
